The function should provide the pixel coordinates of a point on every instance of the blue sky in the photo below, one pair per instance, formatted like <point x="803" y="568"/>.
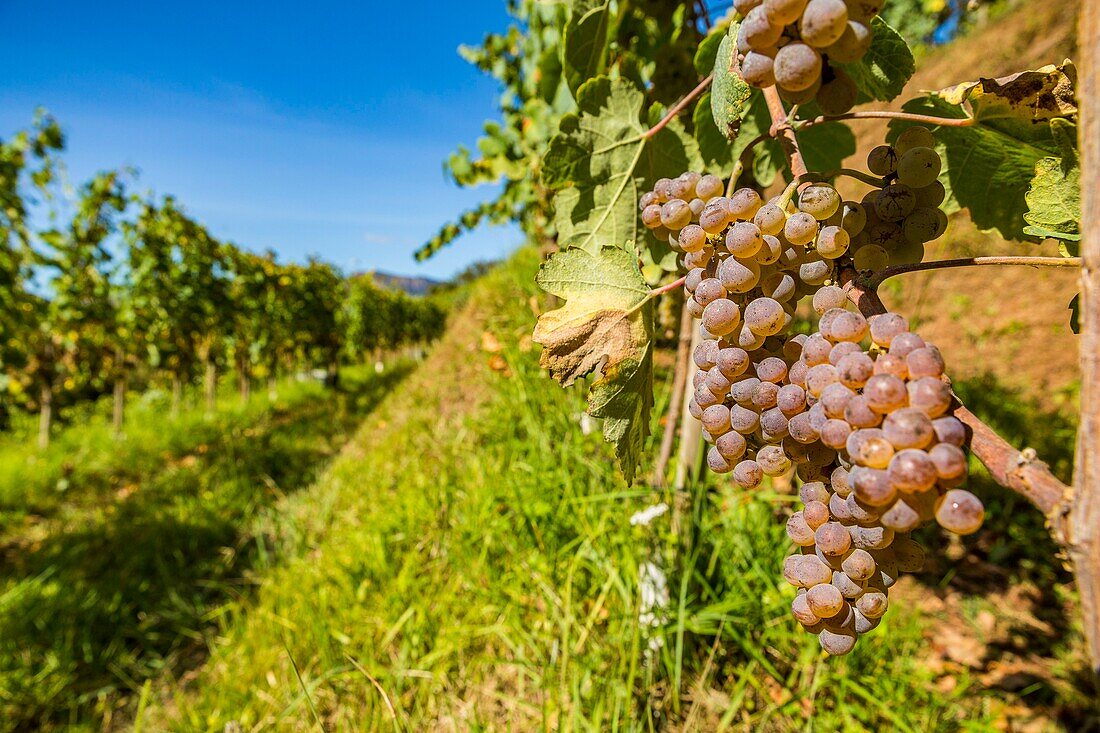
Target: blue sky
<point x="307" y="128"/>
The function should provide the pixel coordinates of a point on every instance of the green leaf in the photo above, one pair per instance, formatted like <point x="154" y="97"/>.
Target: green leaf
<point x="886" y="67"/>
<point x="600" y="160"/>
<point x="1054" y="197"/>
<point x="708" y="49"/>
<point x="988" y="167"/>
<point x="584" y="47"/>
<point x="1075" y="313"/>
<point x="716" y="150"/>
<point x="824" y="147"/>
<point x="606" y="324"/>
<point x="729" y="94"/>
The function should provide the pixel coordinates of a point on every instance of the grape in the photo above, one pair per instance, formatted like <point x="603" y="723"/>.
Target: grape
<point x="929" y="395"/>
<point x="800" y="228"/>
<point x="848" y="587"/>
<point x="816" y="350"/>
<point x="694" y="409"/>
<point x="901" y="516"/>
<point x="692" y="238"/>
<point x="872" y="604"/>
<point x="747" y="474"/>
<point x="651" y="216"/>
<point x="914" y="137"/>
<point x="834" y="398"/>
<point x="732" y="361"/>
<point x="696" y="205"/>
<point x="791" y="399"/>
<point x="839" y="94"/>
<point x="891" y="364"/>
<point x="772" y="369"/>
<point x="814" y="491"/>
<point x="797" y="65"/>
<point x="819" y="200"/>
<point x="908" y="428"/>
<point x="697" y="259"/>
<point x="705" y="398"/>
<point x="829" y="297"/>
<point x="904" y="343"/>
<point x="960" y="512"/>
<point x="717" y="462"/>
<point x="716" y="419"/>
<point x="717" y="382"/>
<point x="800" y="609"/>
<point x="779" y="286"/>
<point x="869" y="447"/>
<point x="709" y="290"/>
<point x="738" y="276"/>
<point x="918" y="167"/>
<point x="885" y="326"/>
<point x="931" y="195"/>
<point x="796" y="375"/>
<point x="894" y="202"/>
<point x="823" y="22"/>
<point x="859" y="565"/>
<point x="859" y="415"/>
<point x="744" y="203"/>
<point x="847" y="326"/>
<point x="675" y="214"/>
<point x="825" y="599"/>
<point x="694" y="308"/>
<point x="885" y="393"/>
<point x="882" y="161"/>
<point x="852" y="44"/>
<point x="832" y="242"/>
<point x="721" y="316"/>
<point x="682" y="188"/>
<point x="854" y="370"/>
<point x="950" y="430"/>
<point x="705" y="354"/>
<point x="757" y="68"/>
<point x="886" y="234"/>
<point x="873" y="486"/>
<point x="744" y="420"/>
<point x="837" y="643"/>
<point x="912" y="471"/>
<point x="841" y="350"/>
<point x="774" y="424"/>
<point x="908" y="553"/>
<point x="924" y="224"/>
<point x="853" y="218"/>
<point x="764" y="395"/>
<point x="819" y="377"/>
<point x="744" y="239"/>
<point x="801" y="429"/>
<point x="770" y="251"/>
<point x="765" y="316"/>
<point x="835" y="433"/>
<point x="770" y="218"/>
<point x="784" y="12"/>
<point x="924" y="362"/>
<point x="708" y="187"/>
<point x="813" y="269"/>
<point x="749" y="340"/>
<point x="715" y="216"/>
<point x="758" y="31"/>
<point x="948" y="460"/>
<point x="871" y="538"/>
<point x="871" y="257"/>
<point x="772" y="461"/>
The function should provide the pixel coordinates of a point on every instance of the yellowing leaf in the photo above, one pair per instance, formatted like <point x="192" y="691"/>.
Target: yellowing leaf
<point x="605" y="325"/>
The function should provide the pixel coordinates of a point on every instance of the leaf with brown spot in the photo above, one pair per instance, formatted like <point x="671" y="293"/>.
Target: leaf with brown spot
<point x="605" y="325"/>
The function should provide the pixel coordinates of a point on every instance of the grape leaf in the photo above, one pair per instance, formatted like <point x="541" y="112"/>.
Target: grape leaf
<point x="599" y="160"/>
<point x="886" y="67"/>
<point x="708" y="49"/>
<point x="584" y="46"/>
<point x="988" y="166"/>
<point x="605" y="325"/>
<point x="729" y="94"/>
<point x="1054" y="197"/>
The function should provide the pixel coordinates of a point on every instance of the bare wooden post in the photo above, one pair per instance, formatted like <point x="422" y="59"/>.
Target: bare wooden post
<point x="1084" y="520"/>
<point x="45" y="415"/>
<point x="676" y="403"/>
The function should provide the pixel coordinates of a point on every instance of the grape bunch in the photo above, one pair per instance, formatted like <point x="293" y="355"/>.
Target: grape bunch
<point x="896" y="461"/>
<point x="903" y="213"/>
<point x="748" y="264"/>
<point x="790" y="44"/>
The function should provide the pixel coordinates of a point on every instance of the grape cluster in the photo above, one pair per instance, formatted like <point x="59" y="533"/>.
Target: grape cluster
<point x="748" y="264"/>
<point x="880" y="455"/>
<point x="790" y="44"/>
<point x="903" y="213"/>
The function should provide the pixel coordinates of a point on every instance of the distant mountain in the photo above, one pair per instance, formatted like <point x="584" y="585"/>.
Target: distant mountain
<point x="411" y="285"/>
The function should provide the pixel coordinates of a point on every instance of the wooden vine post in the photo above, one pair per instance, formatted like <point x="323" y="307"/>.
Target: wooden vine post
<point x="1083" y="520"/>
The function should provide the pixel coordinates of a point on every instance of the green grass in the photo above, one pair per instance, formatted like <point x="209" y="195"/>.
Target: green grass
<point x="476" y="570"/>
<point x="119" y="557"/>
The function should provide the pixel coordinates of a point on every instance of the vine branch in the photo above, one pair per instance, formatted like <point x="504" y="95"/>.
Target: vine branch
<point x="679" y="107"/>
<point x="882" y="275"/>
<point x="666" y="287"/>
<point x="888" y="115"/>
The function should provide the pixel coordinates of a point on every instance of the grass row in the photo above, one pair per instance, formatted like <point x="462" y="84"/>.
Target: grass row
<point x="118" y="557"/>
<point x="470" y="564"/>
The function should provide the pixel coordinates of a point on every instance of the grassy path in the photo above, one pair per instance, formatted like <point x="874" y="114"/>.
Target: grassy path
<point x="117" y="558"/>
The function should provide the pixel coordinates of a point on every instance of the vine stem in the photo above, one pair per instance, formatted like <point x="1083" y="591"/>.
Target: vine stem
<point x="888" y="115"/>
<point x="667" y="287"/>
<point x="879" y="277"/>
<point x="783" y="131"/>
<point x="679" y="107"/>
